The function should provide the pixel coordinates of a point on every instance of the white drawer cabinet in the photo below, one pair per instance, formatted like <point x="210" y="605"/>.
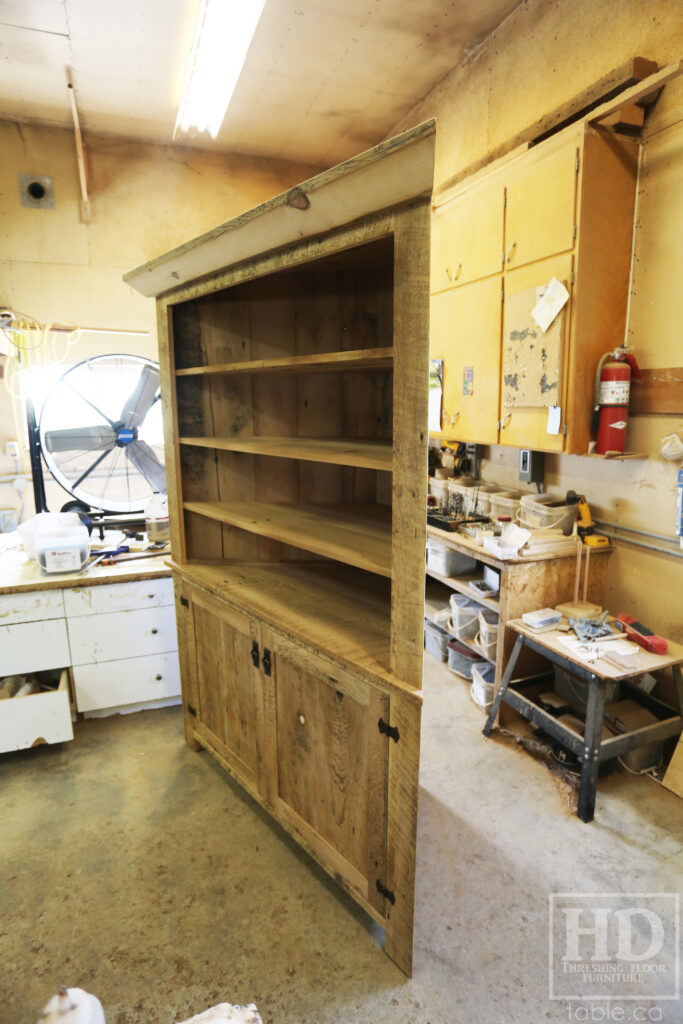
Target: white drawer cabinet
<point x="122" y="635"/>
<point x="130" y="681"/>
<point x="33" y="606"/>
<point x="38" y="718"/>
<point x="123" y="644"/>
<point x="33" y="647"/>
<point x="118" y="597"/>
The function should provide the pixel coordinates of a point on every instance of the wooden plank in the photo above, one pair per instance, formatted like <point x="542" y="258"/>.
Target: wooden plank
<point x="355" y="535"/>
<point x="402" y="808"/>
<point x="394" y="172"/>
<point x="169" y="406"/>
<point x="324" y="362"/>
<point x="673" y="778"/>
<point x="660" y="393"/>
<point x="461" y="585"/>
<point x="640" y="93"/>
<point x="187" y="657"/>
<point x="611" y="84"/>
<point x="411" y="362"/>
<point x="338" y="451"/>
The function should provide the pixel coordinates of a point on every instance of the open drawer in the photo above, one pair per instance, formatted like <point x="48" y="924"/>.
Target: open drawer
<point x="37" y="718"/>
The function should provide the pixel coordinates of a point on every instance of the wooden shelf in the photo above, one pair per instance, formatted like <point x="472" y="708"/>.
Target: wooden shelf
<point x="325" y="606"/>
<point x="337" y="451"/>
<point x="358" y="535"/>
<point x="461" y="584"/>
<point x="324" y="362"/>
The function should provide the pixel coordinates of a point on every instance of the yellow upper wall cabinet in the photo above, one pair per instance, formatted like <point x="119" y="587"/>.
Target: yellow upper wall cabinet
<point x="471" y="380"/>
<point x="568" y="207"/>
<point x="540" y="214"/>
<point x="467" y="238"/>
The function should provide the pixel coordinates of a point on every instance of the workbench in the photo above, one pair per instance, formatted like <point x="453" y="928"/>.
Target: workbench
<point x="591" y="749"/>
<point x="113" y="629"/>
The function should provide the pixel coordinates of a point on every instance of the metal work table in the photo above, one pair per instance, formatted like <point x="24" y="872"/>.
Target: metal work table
<point x="591" y="749"/>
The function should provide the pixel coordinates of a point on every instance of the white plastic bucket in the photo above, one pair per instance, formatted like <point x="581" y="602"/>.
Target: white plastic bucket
<point x="483" y="675"/>
<point x="488" y="633"/>
<point x="505" y="503"/>
<point x="464" y="618"/>
<point x="460" y="491"/>
<point x="447" y="561"/>
<point x="542" y="511"/>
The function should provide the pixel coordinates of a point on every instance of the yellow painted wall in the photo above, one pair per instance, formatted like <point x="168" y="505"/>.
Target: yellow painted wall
<point x="542" y="55"/>
<point x="146" y="199"/>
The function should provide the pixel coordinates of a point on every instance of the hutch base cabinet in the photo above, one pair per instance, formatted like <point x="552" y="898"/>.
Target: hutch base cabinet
<point x="294" y="357"/>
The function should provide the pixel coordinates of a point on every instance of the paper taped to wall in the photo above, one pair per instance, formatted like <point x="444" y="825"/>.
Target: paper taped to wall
<point x="551" y="299"/>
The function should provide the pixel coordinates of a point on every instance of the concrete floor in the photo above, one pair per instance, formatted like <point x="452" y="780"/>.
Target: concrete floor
<point x="135" y="868"/>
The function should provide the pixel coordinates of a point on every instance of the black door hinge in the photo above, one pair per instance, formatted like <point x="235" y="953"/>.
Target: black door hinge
<point x="184" y="602"/>
<point x="191" y="711"/>
<point x="389" y="730"/>
<point x="266" y="661"/>
<point x="387" y="893"/>
<point x="254" y="654"/>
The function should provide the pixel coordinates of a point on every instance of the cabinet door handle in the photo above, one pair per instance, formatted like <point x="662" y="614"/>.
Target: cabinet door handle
<point x="154" y="629"/>
<point x="510" y="251"/>
<point x="255" y="654"/>
<point x="504" y="422"/>
<point x="453" y="275"/>
<point x="450" y="420"/>
<point x="267" y="663"/>
<point x="158" y="677"/>
<point x="150" y="596"/>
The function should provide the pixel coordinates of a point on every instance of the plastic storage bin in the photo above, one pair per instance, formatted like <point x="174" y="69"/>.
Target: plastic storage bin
<point x="461" y="660"/>
<point x="482" y="499"/>
<point x="436" y="640"/>
<point x="446" y="561"/>
<point x="460" y="490"/>
<point x="464" y="617"/>
<point x="488" y="633"/>
<point x="505" y="503"/>
<point x="439" y="490"/>
<point x="541" y="511"/>
<point x="483" y="675"/>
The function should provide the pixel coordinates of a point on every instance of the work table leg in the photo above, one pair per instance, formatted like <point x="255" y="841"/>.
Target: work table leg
<point x="591" y="750"/>
<point x="507" y="676"/>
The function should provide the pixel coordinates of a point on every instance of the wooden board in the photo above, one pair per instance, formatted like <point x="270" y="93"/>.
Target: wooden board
<point x="18" y="573"/>
<point x="338" y="451"/>
<point x="673" y="779"/>
<point x="356" y="359"/>
<point x="660" y="393"/>
<point x="353" y="534"/>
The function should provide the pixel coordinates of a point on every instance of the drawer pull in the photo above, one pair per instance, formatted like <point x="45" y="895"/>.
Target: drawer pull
<point x="150" y="596"/>
<point x="158" y="677"/>
<point x="155" y="630"/>
<point x="302" y="719"/>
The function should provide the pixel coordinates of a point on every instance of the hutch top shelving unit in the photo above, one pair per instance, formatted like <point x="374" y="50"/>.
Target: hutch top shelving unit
<point x="293" y="346"/>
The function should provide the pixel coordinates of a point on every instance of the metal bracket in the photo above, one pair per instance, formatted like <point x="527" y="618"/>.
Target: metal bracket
<point x="191" y="710"/>
<point x="266" y="661"/>
<point x="387" y="893"/>
<point x="255" y="654"/>
<point x="184" y="602"/>
<point x="389" y="730"/>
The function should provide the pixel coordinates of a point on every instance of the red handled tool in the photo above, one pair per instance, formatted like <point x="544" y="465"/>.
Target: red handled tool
<point x="640" y="634"/>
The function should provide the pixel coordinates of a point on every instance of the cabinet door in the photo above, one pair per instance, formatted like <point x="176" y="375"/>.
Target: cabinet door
<point x="467" y="238"/>
<point x="345" y="788"/>
<point x="541" y="206"/>
<point x="465" y="333"/>
<point x="533" y="363"/>
<point x="228" y="686"/>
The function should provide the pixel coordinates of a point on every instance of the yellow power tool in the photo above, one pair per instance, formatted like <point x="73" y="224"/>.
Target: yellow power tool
<point x="585" y="527"/>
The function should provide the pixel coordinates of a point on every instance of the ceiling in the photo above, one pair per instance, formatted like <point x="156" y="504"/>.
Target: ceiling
<point x="323" y="80"/>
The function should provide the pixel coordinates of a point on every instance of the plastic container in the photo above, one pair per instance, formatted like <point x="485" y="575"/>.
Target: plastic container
<point x="461" y="660"/>
<point x="488" y="633"/>
<point x="446" y="561"/>
<point x="156" y="518"/>
<point x="460" y="491"/>
<point x="42" y="521"/>
<point x="483" y="674"/>
<point x="464" y="617"/>
<point x="439" y="490"/>
<point x="64" y="549"/>
<point x="505" y="503"/>
<point x="436" y="640"/>
<point x="482" y="499"/>
<point x="541" y="511"/>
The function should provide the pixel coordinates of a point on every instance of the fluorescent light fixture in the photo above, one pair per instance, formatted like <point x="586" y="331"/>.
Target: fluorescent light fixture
<point x="225" y="29"/>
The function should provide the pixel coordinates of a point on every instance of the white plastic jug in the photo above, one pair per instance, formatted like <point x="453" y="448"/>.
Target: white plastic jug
<point x="156" y="518"/>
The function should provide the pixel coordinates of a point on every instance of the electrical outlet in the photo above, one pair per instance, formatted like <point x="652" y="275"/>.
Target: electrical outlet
<point x="531" y="466"/>
<point x="12" y="450"/>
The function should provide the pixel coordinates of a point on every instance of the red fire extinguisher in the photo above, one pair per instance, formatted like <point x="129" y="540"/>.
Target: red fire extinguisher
<point x="612" y="387"/>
